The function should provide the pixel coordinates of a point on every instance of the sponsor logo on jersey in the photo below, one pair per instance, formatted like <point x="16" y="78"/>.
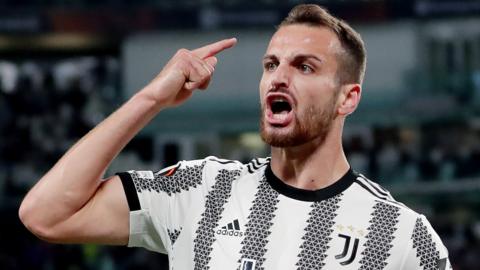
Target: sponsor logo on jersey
<point x="231" y="229"/>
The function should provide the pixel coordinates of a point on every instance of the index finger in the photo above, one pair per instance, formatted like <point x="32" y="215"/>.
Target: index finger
<point x="214" y="48"/>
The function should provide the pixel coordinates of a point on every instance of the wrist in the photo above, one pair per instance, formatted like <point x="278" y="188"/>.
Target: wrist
<point x="162" y="91"/>
<point x="149" y="100"/>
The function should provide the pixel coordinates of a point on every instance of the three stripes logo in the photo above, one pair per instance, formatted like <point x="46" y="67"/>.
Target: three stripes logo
<point x="346" y="249"/>
<point x="255" y="165"/>
<point x="231" y="229"/>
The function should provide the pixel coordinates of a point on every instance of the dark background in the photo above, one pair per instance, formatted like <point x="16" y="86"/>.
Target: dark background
<point x="62" y="71"/>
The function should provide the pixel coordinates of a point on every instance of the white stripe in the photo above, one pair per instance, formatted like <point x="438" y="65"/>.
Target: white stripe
<point x="375" y="184"/>
<point x="374" y="187"/>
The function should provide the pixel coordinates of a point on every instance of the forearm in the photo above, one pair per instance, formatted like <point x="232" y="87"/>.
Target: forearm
<point x="71" y="203"/>
<point x="70" y="184"/>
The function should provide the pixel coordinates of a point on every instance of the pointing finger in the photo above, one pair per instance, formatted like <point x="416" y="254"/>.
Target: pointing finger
<point x="214" y="48"/>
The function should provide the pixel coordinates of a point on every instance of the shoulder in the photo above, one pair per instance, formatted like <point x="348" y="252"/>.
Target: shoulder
<point x="256" y="164"/>
<point x="250" y="167"/>
<point x="212" y="164"/>
<point x="408" y="221"/>
<point x="378" y="194"/>
<point x="207" y="163"/>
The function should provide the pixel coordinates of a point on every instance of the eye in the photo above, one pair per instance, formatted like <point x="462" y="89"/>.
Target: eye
<point x="269" y="66"/>
<point x="306" y="69"/>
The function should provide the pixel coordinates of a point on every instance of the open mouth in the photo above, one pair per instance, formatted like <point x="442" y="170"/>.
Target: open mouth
<point x="280" y="106"/>
<point x="279" y="109"/>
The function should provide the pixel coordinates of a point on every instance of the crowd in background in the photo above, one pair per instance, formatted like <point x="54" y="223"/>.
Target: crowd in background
<point x="46" y="106"/>
<point x="429" y="152"/>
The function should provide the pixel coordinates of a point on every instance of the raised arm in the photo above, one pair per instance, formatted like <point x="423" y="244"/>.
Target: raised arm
<point x="72" y="203"/>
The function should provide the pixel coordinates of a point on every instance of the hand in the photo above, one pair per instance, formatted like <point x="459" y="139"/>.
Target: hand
<point x="185" y="72"/>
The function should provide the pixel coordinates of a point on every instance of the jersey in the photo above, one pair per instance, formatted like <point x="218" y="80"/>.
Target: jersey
<point x="221" y="214"/>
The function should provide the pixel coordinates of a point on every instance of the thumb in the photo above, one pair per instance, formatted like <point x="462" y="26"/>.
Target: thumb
<point x="212" y="60"/>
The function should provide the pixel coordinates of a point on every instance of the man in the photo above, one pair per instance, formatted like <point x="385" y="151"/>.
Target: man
<point x="303" y="208"/>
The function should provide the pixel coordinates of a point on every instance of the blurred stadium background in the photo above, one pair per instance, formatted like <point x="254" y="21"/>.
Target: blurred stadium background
<point x="65" y="65"/>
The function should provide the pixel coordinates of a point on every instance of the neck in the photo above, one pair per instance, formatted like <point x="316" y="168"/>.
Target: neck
<point x="313" y="165"/>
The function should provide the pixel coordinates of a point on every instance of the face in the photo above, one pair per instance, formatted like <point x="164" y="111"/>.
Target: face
<point x="299" y="87"/>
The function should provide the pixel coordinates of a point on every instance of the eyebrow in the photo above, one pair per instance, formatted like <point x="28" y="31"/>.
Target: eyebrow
<point x="296" y="58"/>
<point x="269" y="57"/>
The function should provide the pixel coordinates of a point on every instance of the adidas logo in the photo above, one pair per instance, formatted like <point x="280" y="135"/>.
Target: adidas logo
<point x="231" y="229"/>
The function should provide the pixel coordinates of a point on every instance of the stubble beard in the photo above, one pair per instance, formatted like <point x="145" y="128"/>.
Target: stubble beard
<point x="313" y="124"/>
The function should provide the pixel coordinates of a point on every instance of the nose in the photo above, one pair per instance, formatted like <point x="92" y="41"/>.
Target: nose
<point x="280" y="77"/>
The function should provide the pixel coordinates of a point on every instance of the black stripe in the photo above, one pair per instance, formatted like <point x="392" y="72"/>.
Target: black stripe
<point x="256" y="163"/>
<point x="425" y="246"/>
<point x="252" y="168"/>
<point x="253" y="165"/>
<point x="130" y="191"/>
<point x="173" y="235"/>
<point x="318" y="233"/>
<point x="388" y="199"/>
<point x="182" y="180"/>
<point x="369" y="190"/>
<point x="236" y="224"/>
<point x="260" y="166"/>
<point x="383" y="192"/>
<point x="258" y="226"/>
<point x="383" y="225"/>
<point x="214" y="206"/>
<point x="222" y="161"/>
<point x="378" y="186"/>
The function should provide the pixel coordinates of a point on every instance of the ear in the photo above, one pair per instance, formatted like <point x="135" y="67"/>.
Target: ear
<point x="349" y="98"/>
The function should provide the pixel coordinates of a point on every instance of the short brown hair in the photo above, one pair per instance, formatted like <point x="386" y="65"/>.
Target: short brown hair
<point x="352" y="63"/>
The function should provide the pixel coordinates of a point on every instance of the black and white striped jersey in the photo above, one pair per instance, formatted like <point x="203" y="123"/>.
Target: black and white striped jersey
<point x="221" y="214"/>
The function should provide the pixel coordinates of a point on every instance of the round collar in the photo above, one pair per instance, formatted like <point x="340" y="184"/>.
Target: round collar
<point x="309" y="195"/>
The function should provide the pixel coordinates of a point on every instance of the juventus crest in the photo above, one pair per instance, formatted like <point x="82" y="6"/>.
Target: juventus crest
<point x="349" y="250"/>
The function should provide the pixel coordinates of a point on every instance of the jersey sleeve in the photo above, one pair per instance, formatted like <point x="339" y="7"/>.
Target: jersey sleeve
<point x="156" y="200"/>
<point x="425" y="249"/>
